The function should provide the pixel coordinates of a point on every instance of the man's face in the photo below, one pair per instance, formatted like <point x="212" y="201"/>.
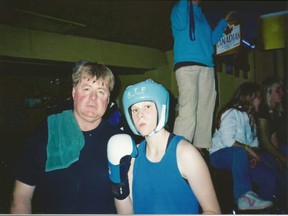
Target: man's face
<point x="91" y="98"/>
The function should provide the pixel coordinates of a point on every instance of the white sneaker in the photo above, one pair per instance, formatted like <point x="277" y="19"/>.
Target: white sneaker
<point x="250" y="200"/>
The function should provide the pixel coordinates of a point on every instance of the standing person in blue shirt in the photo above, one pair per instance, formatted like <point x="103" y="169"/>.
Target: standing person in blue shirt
<point x="168" y="176"/>
<point x="194" y="69"/>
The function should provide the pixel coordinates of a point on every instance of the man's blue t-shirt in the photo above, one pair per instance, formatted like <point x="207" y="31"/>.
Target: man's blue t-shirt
<point x="84" y="187"/>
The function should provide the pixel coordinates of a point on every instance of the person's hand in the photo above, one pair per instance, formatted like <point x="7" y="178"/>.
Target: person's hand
<point x="120" y="149"/>
<point x="252" y="161"/>
<point x="254" y="157"/>
<point x="229" y="15"/>
<point x="254" y="152"/>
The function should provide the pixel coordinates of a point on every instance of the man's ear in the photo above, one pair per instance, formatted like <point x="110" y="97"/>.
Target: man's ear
<point x="73" y="92"/>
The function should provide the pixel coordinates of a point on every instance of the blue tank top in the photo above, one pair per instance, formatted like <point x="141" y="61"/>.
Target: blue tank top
<point x="159" y="188"/>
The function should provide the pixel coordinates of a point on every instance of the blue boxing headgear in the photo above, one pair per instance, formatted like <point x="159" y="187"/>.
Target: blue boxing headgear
<point x="147" y="91"/>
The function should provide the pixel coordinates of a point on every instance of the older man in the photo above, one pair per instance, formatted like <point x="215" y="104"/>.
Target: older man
<point x="64" y="166"/>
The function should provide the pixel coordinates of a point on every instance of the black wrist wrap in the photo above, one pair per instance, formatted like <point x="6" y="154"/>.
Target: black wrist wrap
<point x="121" y="191"/>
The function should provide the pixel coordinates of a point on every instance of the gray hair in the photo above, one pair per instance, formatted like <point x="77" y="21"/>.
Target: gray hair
<point x="86" y="69"/>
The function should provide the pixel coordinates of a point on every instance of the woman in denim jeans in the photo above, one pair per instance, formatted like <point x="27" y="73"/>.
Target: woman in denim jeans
<point x="235" y="148"/>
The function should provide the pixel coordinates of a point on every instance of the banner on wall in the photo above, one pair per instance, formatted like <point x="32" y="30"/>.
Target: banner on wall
<point x="230" y="41"/>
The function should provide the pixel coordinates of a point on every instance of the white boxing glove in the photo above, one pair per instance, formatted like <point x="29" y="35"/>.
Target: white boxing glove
<point x="120" y="149"/>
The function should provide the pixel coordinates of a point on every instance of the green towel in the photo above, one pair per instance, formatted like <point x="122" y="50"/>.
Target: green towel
<point x="65" y="141"/>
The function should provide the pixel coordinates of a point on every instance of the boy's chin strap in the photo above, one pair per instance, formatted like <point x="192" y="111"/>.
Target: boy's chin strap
<point x="152" y="133"/>
<point x="161" y="124"/>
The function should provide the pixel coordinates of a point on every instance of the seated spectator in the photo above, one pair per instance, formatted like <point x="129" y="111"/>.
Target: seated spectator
<point x="235" y="148"/>
<point x="270" y="114"/>
<point x="270" y="120"/>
